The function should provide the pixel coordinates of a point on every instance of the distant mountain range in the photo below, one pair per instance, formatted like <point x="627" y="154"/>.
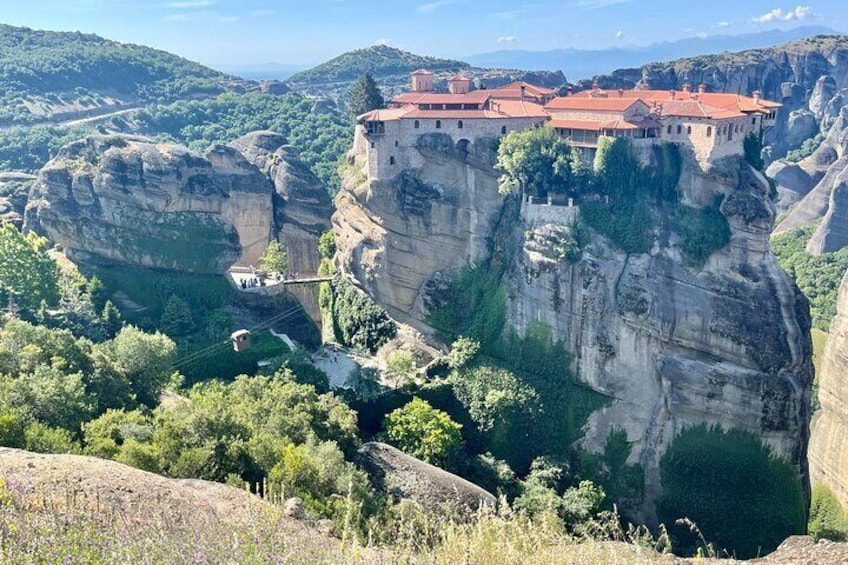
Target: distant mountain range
<point x="585" y="63"/>
<point x="268" y="71"/>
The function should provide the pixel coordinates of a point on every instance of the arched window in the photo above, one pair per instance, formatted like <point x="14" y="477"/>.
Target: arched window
<point x="679" y="129"/>
<point x="459" y="124"/>
<point x="417" y="124"/>
<point x="503" y="130"/>
<point x="709" y="131"/>
<point x="438" y="124"/>
<point x="689" y="130"/>
<point x="668" y="131"/>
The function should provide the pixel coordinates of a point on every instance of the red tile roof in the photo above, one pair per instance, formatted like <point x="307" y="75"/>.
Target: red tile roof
<point x="497" y="109"/>
<point x="598" y="126"/>
<point x="591" y="104"/>
<point x="473" y="97"/>
<point x="725" y="100"/>
<point x="513" y="90"/>
<point x="421" y="72"/>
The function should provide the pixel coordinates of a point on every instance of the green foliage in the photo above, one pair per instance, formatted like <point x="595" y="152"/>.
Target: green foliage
<point x="112" y="319"/>
<point x="44" y="439"/>
<point x="357" y="320"/>
<point x="473" y="305"/>
<point x="46" y="64"/>
<point x="28" y="148"/>
<point x="624" y="484"/>
<point x="462" y="351"/>
<point x="818" y="276"/>
<point x="28" y="276"/>
<point x="703" y="231"/>
<point x="536" y="161"/>
<point x="363" y="96"/>
<point x="424" y="432"/>
<point x="176" y="317"/>
<point x="399" y="366"/>
<point x="807" y="148"/>
<point x="50" y="396"/>
<point x="320" y="137"/>
<point x="327" y="244"/>
<point x="753" y="147"/>
<point x="742" y="497"/>
<point x="275" y="259"/>
<point x="827" y="517"/>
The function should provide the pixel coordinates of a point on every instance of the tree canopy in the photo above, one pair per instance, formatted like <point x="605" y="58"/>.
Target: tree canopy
<point x="28" y="276"/>
<point x="364" y="95"/>
<point x="424" y="432"/>
<point x="535" y="160"/>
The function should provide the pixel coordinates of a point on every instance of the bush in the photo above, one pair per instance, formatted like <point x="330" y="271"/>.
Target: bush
<point x="424" y="432"/>
<point x="753" y="148"/>
<point x="742" y="497"/>
<point x="703" y="231"/>
<point x="44" y="439"/>
<point x="807" y="148"/>
<point x="357" y="320"/>
<point x="536" y="161"/>
<point x="473" y="305"/>
<point x="827" y="517"/>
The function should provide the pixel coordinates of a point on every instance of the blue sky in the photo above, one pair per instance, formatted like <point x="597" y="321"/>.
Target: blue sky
<point x="250" y="32"/>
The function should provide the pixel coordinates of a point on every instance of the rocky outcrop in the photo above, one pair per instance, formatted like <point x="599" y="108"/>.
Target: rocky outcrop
<point x="302" y="206"/>
<point x="131" y="200"/>
<point x="829" y="439"/>
<point x="826" y="204"/>
<point x="404" y="477"/>
<point x="669" y="343"/>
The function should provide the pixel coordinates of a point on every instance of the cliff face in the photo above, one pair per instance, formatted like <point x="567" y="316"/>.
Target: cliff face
<point x="302" y="206"/>
<point x="130" y="200"/>
<point x="829" y="439"/>
<point x="674" y="345"/>
<point x="670" y="344"/>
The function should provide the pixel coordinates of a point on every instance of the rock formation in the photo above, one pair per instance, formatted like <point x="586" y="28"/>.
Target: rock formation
<point x="404" y="477"/>
<point x="829" y="437"/>
<point x="670" y="344"/>
<point x="302" y="206"/>
<point x="131" y="200"/>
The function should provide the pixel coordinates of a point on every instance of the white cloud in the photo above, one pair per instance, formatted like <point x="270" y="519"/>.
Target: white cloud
<point x="185" y="4"/>
<point x="778" y="15"/>
<point x="701" y="35"/>
<point x="508" y="39"/>
<point x="619" y="34"/>
<point x="596" y="4"/>
<point x="723" y="24"/>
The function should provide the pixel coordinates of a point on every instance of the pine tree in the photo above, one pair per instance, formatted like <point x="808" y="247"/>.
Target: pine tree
<point x="364" y="96"/>
<point x="176" y="318"/>
<point x="111" y="318"/>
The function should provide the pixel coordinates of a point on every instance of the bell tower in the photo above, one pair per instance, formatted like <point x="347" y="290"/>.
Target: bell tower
<point x="423" y="81"/>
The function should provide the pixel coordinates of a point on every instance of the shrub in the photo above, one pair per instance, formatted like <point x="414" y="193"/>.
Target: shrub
<point x="753" y="148"/>
<point x="473" y="305"/>
<point x="44" y="439"/>
<point x="358" y="321"/>
<point x="327" y="244"/>
<point x="535" y="160"/>
<point x="827" y="517"/>
<point x="743" y="498"/>
<point x="703" y="231"/>
<point x="807" y="148"/>
<point x="424" y="432"/>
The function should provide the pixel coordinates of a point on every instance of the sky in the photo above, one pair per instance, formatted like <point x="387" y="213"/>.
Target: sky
<point x="243" y="33"/>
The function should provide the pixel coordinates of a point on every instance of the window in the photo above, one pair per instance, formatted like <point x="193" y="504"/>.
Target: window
<point x="709" y="131"/>
<point x="679" y="129"/>
<point x="753" y="121"/>
<point x="392" y="160"/>
<point x="668" y="131"/>
<point x="503" y="130"/>
<point x="396" y="143"/>
<point x="459" y="124"/>
<point x="417" y="124"/>
<point x="372" y="145"/>
<point x="438" y="124"/>
<point x="689" y="130"/>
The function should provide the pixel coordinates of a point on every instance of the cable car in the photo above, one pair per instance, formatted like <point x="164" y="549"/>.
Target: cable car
<point x="241" y="340"/>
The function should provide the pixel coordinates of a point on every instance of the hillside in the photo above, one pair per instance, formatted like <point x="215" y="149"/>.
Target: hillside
<point x="391" y="68"/>
<point x="381" y="61"/>
<point x="47" y="74"/>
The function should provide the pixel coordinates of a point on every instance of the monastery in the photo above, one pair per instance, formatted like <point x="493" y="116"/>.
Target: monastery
<point x="713" y="125"/>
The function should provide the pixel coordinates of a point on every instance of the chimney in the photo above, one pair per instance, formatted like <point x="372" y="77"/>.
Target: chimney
<point x="523" y="90"/>
<point x="621" y="93"/>
<point x="673" y="94"/>
<point x="757" y="95"/>
<point x="702" y="88"/>
<point x="569" y="90"/>
<point x="687" y="87"/>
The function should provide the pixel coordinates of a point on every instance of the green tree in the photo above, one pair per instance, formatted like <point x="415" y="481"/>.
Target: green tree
<point x="111" y="318"/>
<point x="176" y="317"/>
<point x="44" y="439"/>
<point x="327" y="244"/>
<point x="49" y="396"/>
<point x="462" y="351"/>
<point x="28" y="276"/>
<point x="827" y="518"/>
<point x="144" y="359"/>
<point x="275" y="259"/>
<point x="363" y="96"/>
<point x="399" y="366"/>
<point x="535" y="160"/>
<point x="424" y="432"/>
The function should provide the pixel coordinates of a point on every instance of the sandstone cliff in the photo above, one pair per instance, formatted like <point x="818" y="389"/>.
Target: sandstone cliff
<point x="130" y="200"/>
<point x="302" y="206"/>
<point x="671" y="345"/>
<point x="829" y="437"/>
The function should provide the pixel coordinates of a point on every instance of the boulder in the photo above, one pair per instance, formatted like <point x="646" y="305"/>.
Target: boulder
<point x="404" y="477"/>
